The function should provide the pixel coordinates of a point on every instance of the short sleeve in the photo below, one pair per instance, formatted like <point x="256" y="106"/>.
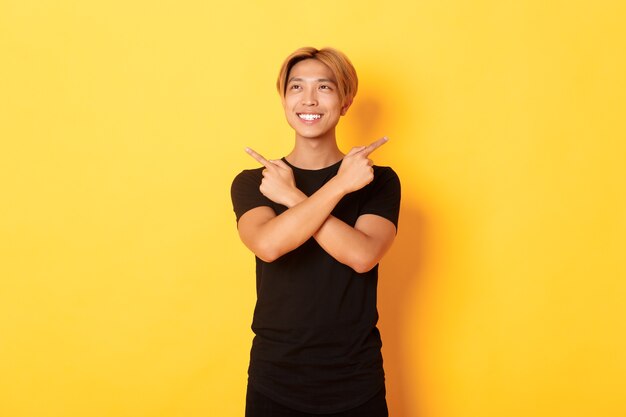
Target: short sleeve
<point x="245" y="193"/>
<point x="383" y="197"/>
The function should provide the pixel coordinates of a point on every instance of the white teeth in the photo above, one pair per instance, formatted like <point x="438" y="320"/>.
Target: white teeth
<point x="306" y="116"/>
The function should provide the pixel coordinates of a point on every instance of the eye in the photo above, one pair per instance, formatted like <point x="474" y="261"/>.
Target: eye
<point x="325" y="87"/>
<point x="294" y="87"/>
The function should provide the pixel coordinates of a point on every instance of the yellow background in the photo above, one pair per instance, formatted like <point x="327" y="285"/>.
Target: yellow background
<point x="124" y="288"/>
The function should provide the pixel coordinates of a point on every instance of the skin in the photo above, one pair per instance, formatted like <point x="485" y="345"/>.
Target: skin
<point x="311" y="88"/>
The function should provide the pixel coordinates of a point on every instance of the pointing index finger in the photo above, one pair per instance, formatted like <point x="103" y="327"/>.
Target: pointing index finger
<point x="258" y="157"/>
<point x="375" y="145"/>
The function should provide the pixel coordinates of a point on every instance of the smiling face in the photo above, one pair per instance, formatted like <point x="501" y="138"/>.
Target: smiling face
<point x="311" y="102"/>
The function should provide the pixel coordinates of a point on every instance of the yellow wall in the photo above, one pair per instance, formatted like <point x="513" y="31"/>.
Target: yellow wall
<point x="124" y="288"/>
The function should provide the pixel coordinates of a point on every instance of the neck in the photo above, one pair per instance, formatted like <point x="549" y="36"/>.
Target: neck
<point x="314" y="153"/>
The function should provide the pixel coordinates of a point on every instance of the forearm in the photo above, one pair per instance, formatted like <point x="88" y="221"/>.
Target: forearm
<point x="293" y="227"/>
<point x="345" y="243"/>
<point x="349" y="245"/>
<point x="270" y="236"/>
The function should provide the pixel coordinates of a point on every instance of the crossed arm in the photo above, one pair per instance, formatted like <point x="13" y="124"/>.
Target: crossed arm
<point x="270" y="236"/>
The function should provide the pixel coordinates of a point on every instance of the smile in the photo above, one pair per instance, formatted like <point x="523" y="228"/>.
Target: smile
<point x="309" y="116"/>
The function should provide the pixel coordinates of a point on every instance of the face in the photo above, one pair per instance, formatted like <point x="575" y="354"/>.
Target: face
<point x="311" y="102"/>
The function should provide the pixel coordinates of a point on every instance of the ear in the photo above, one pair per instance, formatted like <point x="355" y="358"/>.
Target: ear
<point x="346" y="105"/>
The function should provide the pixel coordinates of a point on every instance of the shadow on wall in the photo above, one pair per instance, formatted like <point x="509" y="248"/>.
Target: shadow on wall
<point x="365" y="121"/>
<point x="399" y="279"/>
<point x="401" y="270"/>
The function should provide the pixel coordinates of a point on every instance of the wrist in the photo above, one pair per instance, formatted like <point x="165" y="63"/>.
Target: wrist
<point x="295" y="198"/>
<point x="338" y="186"/>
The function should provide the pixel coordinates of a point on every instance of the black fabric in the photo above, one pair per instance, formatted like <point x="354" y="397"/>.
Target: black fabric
<point x="259" y="405"/>
<point x="316" y="347"/>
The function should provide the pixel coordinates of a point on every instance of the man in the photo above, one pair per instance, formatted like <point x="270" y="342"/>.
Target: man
<point x="318" y="222"/>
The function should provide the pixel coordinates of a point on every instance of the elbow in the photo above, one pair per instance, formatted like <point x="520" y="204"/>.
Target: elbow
<point x="269" y="258"/>
<point x="366" y="260"/>
<point x="362" y="269"/>
<point x="267" y="253"/>
<point x="363" y="265"/>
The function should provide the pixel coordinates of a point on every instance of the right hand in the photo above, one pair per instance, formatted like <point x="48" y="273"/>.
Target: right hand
<point x="278" y="182"/>
<point x="356" y="169"/>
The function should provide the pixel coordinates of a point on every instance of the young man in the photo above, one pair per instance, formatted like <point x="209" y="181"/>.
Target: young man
<point x="318" y="222"/>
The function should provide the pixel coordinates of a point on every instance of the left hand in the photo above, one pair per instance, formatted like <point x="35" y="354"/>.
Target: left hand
<point x="278" y="183"/>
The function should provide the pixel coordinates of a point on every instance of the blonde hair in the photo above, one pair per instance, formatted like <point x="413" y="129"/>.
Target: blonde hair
<point x="337" y="61"/>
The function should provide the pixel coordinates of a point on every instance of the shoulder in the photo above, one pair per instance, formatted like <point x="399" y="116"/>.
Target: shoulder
<point x="386" y="183"/>
<point x="248" y="174"/>
<point x="382" y="196"/>
<point x="385" y="176"/>
<point x="384" y="171"/>
<point x="247" y="177"/>
<point x="245" y="193"/>
<point x="246" y="184"/>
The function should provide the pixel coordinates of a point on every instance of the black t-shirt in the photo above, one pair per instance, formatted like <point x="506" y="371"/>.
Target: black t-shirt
<point x="316" y="347"/>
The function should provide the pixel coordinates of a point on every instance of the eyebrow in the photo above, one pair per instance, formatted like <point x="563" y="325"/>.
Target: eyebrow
<point x="321" y="80"/>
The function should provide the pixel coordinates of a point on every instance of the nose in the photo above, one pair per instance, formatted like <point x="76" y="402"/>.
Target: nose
<point x="309" y="98"/>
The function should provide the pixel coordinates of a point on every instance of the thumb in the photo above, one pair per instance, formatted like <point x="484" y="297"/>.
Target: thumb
<point x="281" y="164"/>
<point x="356" y="149"/>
